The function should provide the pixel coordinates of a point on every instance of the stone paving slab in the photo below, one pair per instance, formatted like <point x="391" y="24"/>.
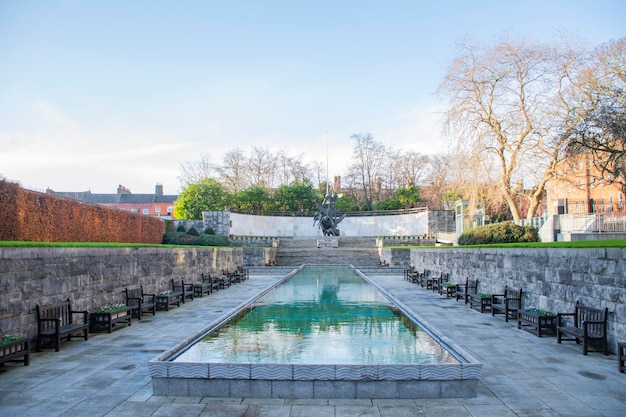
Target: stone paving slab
<point x="108" y="375"/>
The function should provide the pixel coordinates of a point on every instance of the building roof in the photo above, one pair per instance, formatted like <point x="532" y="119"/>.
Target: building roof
<point x="123" y="196"/>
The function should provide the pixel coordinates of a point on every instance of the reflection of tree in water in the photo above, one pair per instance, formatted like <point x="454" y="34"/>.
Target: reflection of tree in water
<point x="329" y="293"/>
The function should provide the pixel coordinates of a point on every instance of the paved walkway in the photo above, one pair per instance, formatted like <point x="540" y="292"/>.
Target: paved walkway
<point x="108" y="375"/>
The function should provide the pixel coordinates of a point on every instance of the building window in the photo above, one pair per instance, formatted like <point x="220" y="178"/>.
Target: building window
<point x="157" y="209"/>
<point x="170" y="210"/>
<point x="146" y="211"/>
<point x="135" y="210"/>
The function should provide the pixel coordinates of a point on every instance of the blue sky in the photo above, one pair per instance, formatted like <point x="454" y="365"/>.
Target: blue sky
<point x="96" y="94"/>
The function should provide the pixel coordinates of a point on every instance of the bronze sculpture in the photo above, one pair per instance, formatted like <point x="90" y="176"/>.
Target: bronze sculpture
<point x="328" y="217"/>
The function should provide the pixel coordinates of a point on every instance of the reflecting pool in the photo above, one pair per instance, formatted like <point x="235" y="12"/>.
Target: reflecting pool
<point x="322" y="315"/>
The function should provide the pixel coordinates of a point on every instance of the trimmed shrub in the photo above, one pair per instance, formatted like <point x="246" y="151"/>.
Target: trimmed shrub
<point x="179" y="238"/>
<point x="506" y="232"/>
<point x="181" y="229"/>
<point x="209" y="231"/>
<point x="171" y="238"/>
<point x="193" y="231"/>
<point x="212" y="240"/>
<point x="37" y="217"/>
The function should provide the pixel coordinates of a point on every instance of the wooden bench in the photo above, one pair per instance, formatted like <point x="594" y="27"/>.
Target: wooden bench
<point x="140" y="302"/>
<point x="425" y="280"/>
<point x="439" y="281"/>
<point x="478" y="300"/>
<point x="464" y="290"/>
<point x="213" y="283"/>
<point x="508" y="303"/>
<point x="57" y="321"/>
<point x="186" y="290"/>
<point x="621" y="356"/>
<point x="409" y="272"/>
<point x="585" y="324"/>
<point x="17" y="350"/>
<point x="225" y="280"/>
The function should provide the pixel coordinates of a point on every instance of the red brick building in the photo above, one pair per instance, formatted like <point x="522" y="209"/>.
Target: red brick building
<point x="578" y="189"/>
<point x="157" y="204"/>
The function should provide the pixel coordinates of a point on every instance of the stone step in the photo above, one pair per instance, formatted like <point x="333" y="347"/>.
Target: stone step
<point x="360" y="252"/>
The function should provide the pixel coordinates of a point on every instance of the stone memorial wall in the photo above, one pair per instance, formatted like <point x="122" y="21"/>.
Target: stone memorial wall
<point x="551" y="279"/>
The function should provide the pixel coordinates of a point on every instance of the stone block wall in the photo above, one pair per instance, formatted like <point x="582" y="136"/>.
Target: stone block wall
<point x="441" y="221"/>
<point x="421" y="223"/>
<point x="219" y="221"/>
<point x="551" y="279"/>
<point x="95" y="277"/>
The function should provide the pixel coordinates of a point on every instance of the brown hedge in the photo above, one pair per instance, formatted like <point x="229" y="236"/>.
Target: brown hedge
<point x="37" y="217"/>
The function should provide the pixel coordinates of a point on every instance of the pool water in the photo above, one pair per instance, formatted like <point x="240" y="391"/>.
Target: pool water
<point x="322" y="315"/>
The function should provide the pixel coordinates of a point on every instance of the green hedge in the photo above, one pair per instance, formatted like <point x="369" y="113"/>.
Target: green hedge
<point x="507" y="232"/>
<point x="180" y="238"/>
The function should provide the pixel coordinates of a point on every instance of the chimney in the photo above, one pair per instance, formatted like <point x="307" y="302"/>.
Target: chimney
<point x="158" y="189"/>
<point x="337" y="183"/>
<point x="122" y="190"/>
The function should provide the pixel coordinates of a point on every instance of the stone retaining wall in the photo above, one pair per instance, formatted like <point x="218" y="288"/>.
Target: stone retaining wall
<point x="552" y="279"/>
<point x="94" y="277"/>
<point x="427" y="222"/>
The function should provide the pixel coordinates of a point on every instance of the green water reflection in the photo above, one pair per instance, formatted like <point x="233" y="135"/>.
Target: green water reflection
<point x="323" y="315"/>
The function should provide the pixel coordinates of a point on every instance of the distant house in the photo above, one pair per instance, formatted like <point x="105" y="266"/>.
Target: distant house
<point x="157" y="204"/>
<point x="579" y="190"/>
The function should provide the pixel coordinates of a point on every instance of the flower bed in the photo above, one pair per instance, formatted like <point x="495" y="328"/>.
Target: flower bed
<point x="107" y="317"/>
<point x="536" y="321"/>
<point x="13" y="348"/>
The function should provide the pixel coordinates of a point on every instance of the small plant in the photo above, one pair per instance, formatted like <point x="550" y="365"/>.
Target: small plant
<point x="5" y="339"/>
<point x="111" y="309"/>
<point x="168" y="292"/>
<point x="484" y="295"/>
<point x="538" y="311"/>
<point x="449" y="284"/>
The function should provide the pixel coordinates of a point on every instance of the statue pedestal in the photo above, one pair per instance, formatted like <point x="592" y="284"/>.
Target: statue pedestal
<point x="328" y="242"/>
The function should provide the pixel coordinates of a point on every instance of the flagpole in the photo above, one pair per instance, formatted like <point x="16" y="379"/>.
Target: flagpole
<point x="327" y="175"/>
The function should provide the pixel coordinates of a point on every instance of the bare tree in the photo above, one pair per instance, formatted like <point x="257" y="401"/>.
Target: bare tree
<point x="369" y="159"/>
<point x="261" y="167"/>
<point x="192" y="172"/>
<point x="508" y="104"/>
<point x="233" y="171"/>
<point x="410" y="168"/>
<point x="602" y="131"/>
<point x="290" y="169"/>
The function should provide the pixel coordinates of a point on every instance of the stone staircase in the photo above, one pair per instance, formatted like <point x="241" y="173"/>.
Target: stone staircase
<point x="357" y="251"/>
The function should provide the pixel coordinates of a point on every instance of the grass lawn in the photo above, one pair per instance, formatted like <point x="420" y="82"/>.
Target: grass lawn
<point x="579" y="244"/>
<point x="621" y="243"/>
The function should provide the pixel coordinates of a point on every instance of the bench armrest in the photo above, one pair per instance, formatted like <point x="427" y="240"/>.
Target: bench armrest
<point x="495" y="297"/>
<point x="85" y="314"/>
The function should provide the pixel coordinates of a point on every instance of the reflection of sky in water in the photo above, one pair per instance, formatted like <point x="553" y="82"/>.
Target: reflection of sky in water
<point x="320" y="316"/>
